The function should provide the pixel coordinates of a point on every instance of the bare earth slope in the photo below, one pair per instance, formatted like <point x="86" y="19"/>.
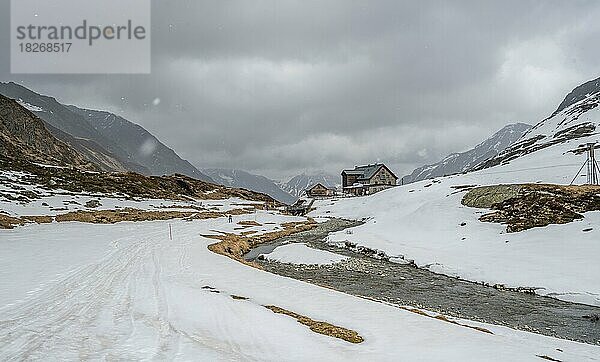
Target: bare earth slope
<point x="25" y="137"/>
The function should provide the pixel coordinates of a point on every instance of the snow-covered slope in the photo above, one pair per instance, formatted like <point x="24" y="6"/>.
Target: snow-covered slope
<point x="464" y="161"/>
<point x="425" y="222"/>
<point x="128" y="291"/>
<point x="575" y="125"/>
<point x="299" y="183"/>
<point x="579" y="93"/>
<point x="246" y="180"/>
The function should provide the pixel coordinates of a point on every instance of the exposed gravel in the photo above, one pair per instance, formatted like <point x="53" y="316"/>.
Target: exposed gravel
<point x="401" y="284"/>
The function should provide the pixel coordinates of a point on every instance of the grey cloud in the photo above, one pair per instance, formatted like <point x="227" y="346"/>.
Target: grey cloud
<point x="284" y="86"/>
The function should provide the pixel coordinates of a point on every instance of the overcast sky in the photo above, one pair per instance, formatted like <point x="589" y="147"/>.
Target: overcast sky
<point x="280" y="87"/>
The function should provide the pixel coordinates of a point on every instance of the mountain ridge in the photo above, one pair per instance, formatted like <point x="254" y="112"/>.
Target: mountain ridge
<point x="74" y="130"/>
<point x="246" y="180"/>
<point x="25" y="137"/>
<point x="472" y="158"/>
<point x="108" y="147"/>
<point x="141" y="146"/>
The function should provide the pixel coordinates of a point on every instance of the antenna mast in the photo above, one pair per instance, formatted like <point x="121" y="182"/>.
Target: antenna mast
<point x="593" y="171"/>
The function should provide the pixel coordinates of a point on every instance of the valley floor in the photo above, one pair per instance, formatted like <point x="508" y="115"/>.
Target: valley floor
<point x="126" y="291"/>
<point x="426" y="223"/>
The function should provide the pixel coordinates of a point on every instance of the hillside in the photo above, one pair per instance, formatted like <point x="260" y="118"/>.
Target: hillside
<point x="553" y="254"/>
<point x="129" y="185"/>
<point x="567" y="130"/>
<point x="29" y="151"/>
<point x="139" y="145"/>
<point x="465" y="161"/>
<point x="72" y="129"/>
<point x="107" y="140"/>
<point x="24" y="137"/>
<point x="246" y="180"/>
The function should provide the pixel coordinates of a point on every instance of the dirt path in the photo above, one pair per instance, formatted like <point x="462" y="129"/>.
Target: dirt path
<point x="407" y="285"/>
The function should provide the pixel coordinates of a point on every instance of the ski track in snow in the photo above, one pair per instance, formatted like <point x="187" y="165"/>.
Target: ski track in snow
<point x="62" y="316"/>
<point x="142" y="298"/>
<point x="68" y="318"/>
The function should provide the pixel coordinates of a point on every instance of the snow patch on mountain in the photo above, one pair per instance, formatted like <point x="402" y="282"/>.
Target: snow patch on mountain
<point x="465" y="161"/>
<point x="298" y="184"/>
<point x="29" y="106"/>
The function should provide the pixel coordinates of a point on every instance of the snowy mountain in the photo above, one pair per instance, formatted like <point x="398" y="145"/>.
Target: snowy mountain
<point x="107" y="140"/>
<point x="140" y="146"/>
<point x="577" y="118"/>
<point x="246" y="180"/>
<point x="79" y="282"/>
<point x="428" y="223"/>
<point x="24" y="137"/>
<point x="464" y="161"/>
<point x="579" y="93"/>
<point x="72" y="129"/>
<point x="299" y="183"/>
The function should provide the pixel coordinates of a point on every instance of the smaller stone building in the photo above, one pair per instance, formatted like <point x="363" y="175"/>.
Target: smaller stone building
<point x="318" y="190"/>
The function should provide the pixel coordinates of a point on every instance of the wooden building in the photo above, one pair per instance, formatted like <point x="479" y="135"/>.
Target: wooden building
<point x="318" y="190"/>
<point x="368" y="179"/>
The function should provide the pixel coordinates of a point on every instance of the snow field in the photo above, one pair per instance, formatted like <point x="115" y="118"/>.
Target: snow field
<point x="126" y="291"/>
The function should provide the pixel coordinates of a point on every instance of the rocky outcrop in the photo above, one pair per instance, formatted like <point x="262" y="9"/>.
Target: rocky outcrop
<point x="522" y="207"/>
<point x="486" y="196"/>
<point x="24" y="137"/>
<point x="579" y="93"/>
<point x="70" y="128"/>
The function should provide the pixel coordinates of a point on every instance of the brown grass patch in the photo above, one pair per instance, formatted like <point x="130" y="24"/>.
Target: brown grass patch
<point x="235" y="246"/>
<point x="320" y="327"/>
<point x="113" y="216"/>
<point x="130" y="214"/>
<point x="9" y="222"/>
<point x="547" y="358"/>
<point x="195" y="207"/>
<point x="249" y="223"/>
<point x="40" y="219"/>
<point x="442" y="317"/>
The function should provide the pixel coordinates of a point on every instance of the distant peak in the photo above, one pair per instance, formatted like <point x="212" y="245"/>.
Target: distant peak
<point x="579" y="93"/>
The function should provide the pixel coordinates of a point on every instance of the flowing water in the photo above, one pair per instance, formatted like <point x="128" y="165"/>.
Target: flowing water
<point x="407" y="285"/>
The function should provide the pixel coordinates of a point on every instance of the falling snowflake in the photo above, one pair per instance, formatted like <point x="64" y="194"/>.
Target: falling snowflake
<point x="148" y="147"/>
